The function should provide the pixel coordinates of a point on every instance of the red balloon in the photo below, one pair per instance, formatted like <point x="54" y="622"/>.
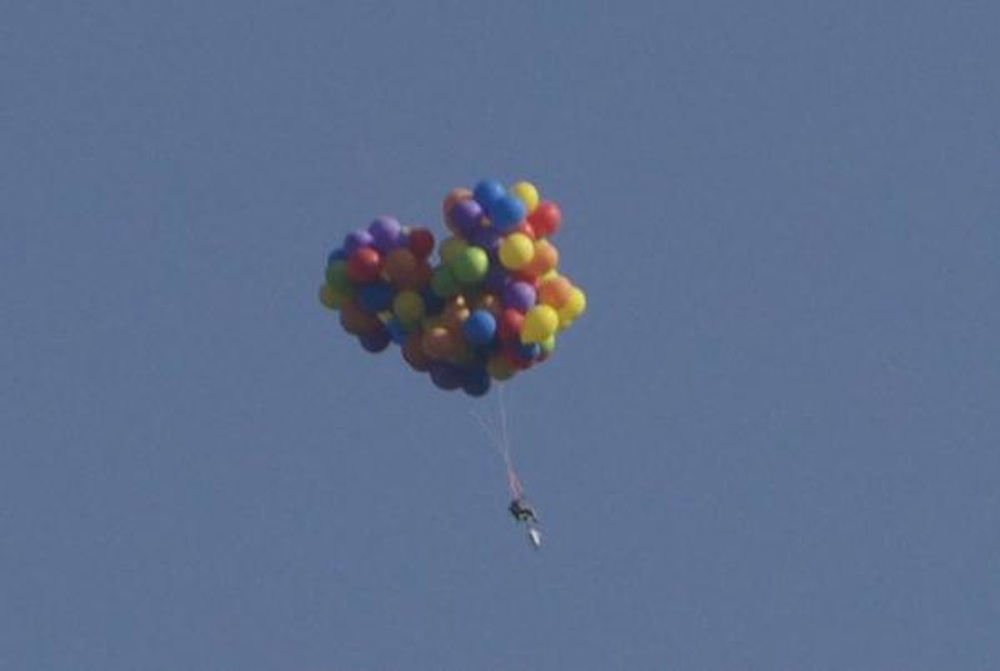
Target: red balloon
<point x="509" y="325"/>
<point x="364" y="265"/>
<point x="546" y="218"/>
<point x="421" y="242"/>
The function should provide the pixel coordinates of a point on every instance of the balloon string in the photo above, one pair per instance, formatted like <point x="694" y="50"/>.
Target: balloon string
<point x="499" y="436"/>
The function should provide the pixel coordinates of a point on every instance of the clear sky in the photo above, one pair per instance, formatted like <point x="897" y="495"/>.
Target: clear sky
<point x="772" y="442"/>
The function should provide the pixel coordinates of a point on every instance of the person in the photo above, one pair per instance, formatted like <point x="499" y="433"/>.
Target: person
<point x="523" y="511"/>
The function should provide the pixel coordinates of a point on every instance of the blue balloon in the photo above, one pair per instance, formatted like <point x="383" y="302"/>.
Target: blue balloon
<point x="376" y="297"/>
<point x="529" y="351"/>
<point x="397" y="331"/>
<point x="480" y="327"/>
<point x="433" y="304"/>
<point x="487" y="193"/>
<point x="476" y="382"/>
<point x="336" y="255"/>
<point x="508" y="212"/>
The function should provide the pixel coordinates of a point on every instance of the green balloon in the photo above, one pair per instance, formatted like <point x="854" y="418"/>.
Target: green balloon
<point x="471" y="265"/>
<point x="443" y="283"/>
<point x="336" y="276"/>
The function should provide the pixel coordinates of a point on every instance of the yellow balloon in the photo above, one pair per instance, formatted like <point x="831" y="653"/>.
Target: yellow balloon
<point x="527" y="193"/>
<point x="408" y="306"/>
<point x="516" y="251"/>
<point x="576" y="305"/>
<point x="540" y="324"/>
<point x="330" y="297"/>
<point x="549" y="344"/>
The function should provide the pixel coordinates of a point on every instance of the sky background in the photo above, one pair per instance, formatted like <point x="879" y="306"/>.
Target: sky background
<point x="771" y="443"/>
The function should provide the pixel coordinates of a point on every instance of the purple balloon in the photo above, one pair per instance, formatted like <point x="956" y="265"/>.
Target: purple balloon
<point x="497" y="278"/>
<point x="445" y="376"/>
<point x="519" y="295"/>
<point x="376" y="341"/>
<point x="466" y="216"/>
<point x="357" y="239"/>
<point x="488" y="238"/>
<point x="386" y="232"/>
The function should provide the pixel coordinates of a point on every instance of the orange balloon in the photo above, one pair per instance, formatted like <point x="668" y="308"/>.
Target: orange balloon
<point x="400" y="267"/>
<point x="356" y="321"/>
<point x="453" y="197"/>
<point x="546" y="258"/>
<point x="413" y="351"/>
<point x="438" y="343"/>
<point x="555" y="292"/>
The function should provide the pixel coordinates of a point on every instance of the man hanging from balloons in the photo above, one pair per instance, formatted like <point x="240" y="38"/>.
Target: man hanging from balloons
<point x="490" y="307"/>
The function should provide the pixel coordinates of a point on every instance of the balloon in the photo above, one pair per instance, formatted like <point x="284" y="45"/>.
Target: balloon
<point x="400" y="266"/>
<point x="397" y="332"/>
<point x="480" y="327"/>
<point x="386" y="232"/>
<point x="445" y="376"/>
<point x="476" y="382"/>
<point x="555" y="292"/>
<point x="499" y="368"/>
<point x="507" y="212"/>
<point x="546" y="219"/>
<point x="409" y="307"/>
<point x="329" y="297"/>
<point x="413" y="351"/>
<point x="519" y="295"/>
<point x="364" y="265"/>
<point x="487" y="305"/>
<point x="516" y="251"/>
<point x="454" y="196"/>
<point x="438" y="343"/>
<point x="540" y="323"/>
<point x="355" y="320"/>
<point x="576" y="304"/>
<point x="470" y="265"/>
<point x="421" y="242"/>
<point x="376" y="297"/>
<point x="375" y="341"/>
<point x="443" y="282"/>
<point x="545" y="259"/>
<point x="527" y="194"/>
<point x="450" y="248"/>
<point x="356" y="240"/>
<point x="487" y="193"/>
<point x="466" y="217"/>
<point x="338" y="277"/>
<point x="509" y="325"/>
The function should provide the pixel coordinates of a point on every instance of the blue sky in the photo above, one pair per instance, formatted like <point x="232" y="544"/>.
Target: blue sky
<point x="770" y="444"/>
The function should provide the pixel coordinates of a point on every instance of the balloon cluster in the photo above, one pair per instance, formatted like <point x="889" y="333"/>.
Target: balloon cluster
<point x="491" y="306"/>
